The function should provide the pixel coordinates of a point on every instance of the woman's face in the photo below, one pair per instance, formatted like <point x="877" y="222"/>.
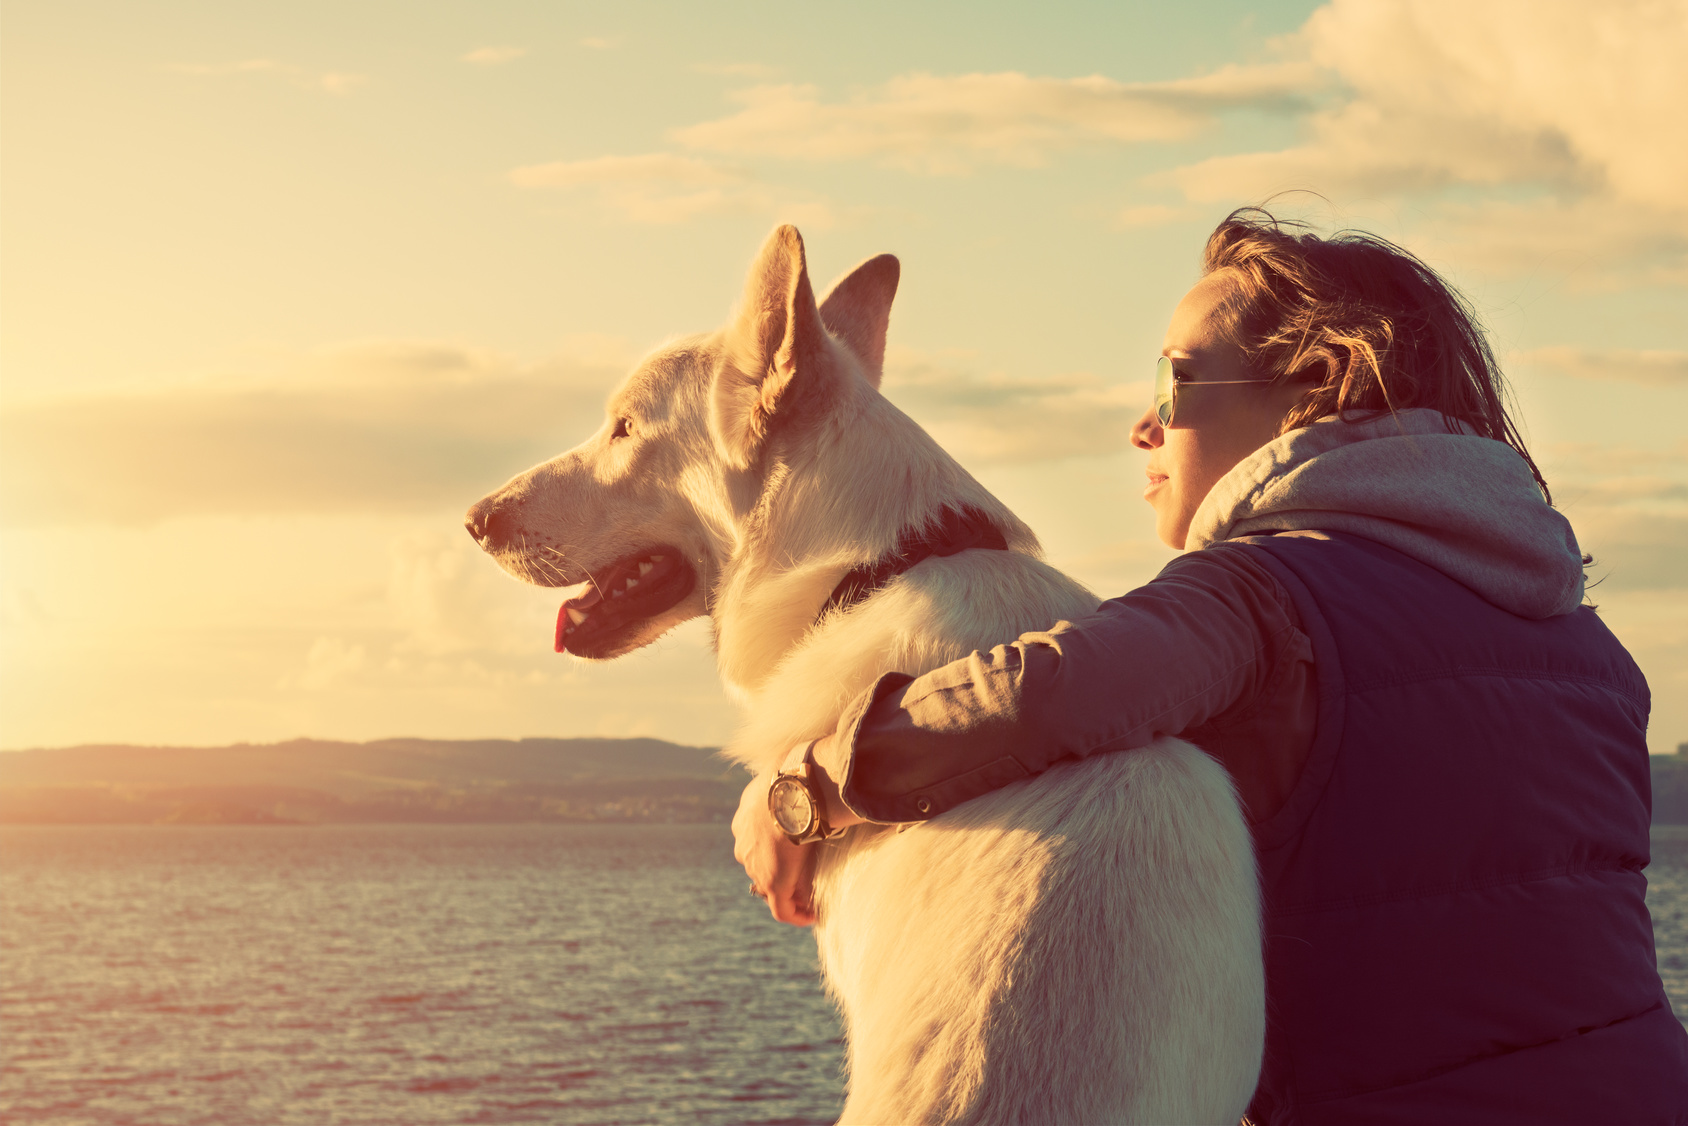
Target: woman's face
<point x="1213" y="428"/>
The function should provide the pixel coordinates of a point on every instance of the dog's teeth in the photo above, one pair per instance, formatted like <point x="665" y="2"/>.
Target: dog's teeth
<point x="645" y="569"/>
<point x="617" y="593"/>
<point x="631" y="583"/>
<point x="576" y="616"/>
<point x="656" y="559"/>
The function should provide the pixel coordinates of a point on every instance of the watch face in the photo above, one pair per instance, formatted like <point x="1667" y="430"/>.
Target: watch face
<point x="789" y="801"/>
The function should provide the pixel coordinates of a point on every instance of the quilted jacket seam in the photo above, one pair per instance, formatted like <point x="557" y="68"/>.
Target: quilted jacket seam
<point x="1455" y="672"/>
<point x="1471" y="1061"/>
<point x="1441" y="890"/>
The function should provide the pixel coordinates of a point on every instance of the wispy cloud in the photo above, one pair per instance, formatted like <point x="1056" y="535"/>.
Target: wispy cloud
<point x="384" y="427"/>
<point x="760" y="71"/>
<point x="414" y="426"/>
<point x="1151" y="215"/>
<point x="1595" y="459"/>
<point x="1629" y="505"/>
<point x="1524" y="140"/>
<point x="1000" y="418"/>
<point x="952" y="124"/>
<point x="1655" y="368"/>
<point x="494" y="56"/>
<point x="1119" y="566"/>
<point x="1633" y="550"/>
<point x="600" y="42"/>
<point x="668" y="188"/>
<point x="653" y="168"/>
<point x="341" y="83"/>
<point x="329" y="82"/>
<point x="329" y="662"/>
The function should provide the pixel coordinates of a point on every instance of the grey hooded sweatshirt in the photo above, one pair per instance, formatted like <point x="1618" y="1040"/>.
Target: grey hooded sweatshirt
<point x="1212" y="649"/>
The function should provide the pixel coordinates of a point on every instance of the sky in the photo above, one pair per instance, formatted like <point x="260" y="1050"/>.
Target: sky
<point x="285" y="288"/>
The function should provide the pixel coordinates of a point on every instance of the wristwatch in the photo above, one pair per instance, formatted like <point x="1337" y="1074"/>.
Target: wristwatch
<point x="796" y="805"/>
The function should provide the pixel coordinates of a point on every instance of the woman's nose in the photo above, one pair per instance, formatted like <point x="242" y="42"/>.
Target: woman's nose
<point x="1146" y="432"/>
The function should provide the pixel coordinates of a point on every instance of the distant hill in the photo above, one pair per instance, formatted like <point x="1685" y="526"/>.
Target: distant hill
<point x="309" y="781"/>
<point x="416" y="780"/>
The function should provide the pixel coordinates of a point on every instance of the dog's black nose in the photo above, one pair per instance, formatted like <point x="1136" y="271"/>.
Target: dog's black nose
<point x="487" y="522"/>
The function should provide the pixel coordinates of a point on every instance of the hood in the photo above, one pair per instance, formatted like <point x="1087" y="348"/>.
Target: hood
<point x="1463" y="504"/>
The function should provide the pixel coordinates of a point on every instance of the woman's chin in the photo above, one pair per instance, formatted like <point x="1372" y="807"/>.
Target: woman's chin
<point x="1171" y="528"/>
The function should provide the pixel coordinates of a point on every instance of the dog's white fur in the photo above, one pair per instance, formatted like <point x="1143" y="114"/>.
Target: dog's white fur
<point x="1079" y="947"/>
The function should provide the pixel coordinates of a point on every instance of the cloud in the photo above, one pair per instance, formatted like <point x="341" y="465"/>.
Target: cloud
<point x="1150" y="215"/>
<point x="737" y="70"/>
<point x="494" y="56"/>
<point x="1592" y="459"/>
<point x="661" y="188"/>
<point x="1567" y="115"/>
<point x="330" y="661"/>
<point x="998" y="418"/>
<point x="650" y="168"/>
<point x="1634" y="551"/>
<point x="421" y="427"/>
<point x="1525" y="135"/>
<point x="1629" y="506"/>
<point x="952" y="124"/>
<point x="1119" y="566"/>
<point x="382" y="427"/>
<point x="329" y="82"/>
<point x="447" y="601"/>
<point x="599" y="43"/>
<point x="1649" y="368"/>
<point x="341" y="83"/>
<point x="1600" y="242"/>
<point x="220" y="628"/>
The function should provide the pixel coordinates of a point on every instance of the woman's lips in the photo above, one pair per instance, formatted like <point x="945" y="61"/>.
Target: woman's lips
<point x="1156" y="480"/>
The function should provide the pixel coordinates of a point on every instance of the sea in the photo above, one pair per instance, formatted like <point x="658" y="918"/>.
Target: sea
<point x="412" y="974"/>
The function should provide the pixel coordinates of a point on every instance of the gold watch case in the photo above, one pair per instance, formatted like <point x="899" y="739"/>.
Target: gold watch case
<point x="792" y="801"/>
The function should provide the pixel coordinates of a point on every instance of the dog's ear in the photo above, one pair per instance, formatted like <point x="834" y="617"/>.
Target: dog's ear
<point x="858" y="310"/>
<point x="776" y="338"/>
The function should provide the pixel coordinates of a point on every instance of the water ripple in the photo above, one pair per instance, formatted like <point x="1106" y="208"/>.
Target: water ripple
<point x="402" y="974"/>
<point x="432" y="974"/>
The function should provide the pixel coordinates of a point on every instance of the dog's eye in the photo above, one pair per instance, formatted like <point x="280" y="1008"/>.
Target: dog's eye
<point x="622" y="428"/>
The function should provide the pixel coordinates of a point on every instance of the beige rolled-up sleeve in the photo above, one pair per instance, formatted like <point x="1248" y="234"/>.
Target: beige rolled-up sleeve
<point x="1199" y="641"/>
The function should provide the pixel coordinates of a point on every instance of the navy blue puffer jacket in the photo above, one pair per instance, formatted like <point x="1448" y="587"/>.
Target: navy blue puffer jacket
<point x="1468" y="838"/>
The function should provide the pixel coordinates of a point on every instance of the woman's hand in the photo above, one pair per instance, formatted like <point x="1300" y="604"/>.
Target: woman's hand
<point x="782" y="873"/>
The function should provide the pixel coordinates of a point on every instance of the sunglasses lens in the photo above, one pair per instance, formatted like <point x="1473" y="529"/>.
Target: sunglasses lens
<point x="1164" y="391"/>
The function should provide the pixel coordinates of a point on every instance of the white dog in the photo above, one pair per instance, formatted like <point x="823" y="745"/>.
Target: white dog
<point x="1079" y="947"/>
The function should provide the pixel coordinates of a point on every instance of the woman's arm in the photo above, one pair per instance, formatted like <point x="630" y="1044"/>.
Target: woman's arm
<point x="1199" y="644"/>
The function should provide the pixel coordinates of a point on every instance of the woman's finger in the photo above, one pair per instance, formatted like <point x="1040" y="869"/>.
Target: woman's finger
<point x="794" y="905"/>
<point x="790" y="882"/>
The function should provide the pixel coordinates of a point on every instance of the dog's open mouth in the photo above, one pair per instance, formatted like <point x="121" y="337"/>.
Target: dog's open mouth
<point x="631" y="590"/>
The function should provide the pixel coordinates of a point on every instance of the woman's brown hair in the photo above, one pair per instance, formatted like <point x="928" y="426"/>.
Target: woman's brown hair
<point x="1370" y="323"/>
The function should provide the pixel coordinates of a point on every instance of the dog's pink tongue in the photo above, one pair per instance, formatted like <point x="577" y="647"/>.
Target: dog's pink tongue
<point x="585" y="602"/>
<point x="559" y="644"/>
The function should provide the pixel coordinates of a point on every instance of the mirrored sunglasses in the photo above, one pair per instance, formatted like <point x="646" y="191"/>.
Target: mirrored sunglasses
<point x="1166" y="389"/>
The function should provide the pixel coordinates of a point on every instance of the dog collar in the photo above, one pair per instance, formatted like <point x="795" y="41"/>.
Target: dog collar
<point x="956" y="531"/>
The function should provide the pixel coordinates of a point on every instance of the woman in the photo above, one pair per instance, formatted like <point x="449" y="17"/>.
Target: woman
<point x="1378" y="630"/>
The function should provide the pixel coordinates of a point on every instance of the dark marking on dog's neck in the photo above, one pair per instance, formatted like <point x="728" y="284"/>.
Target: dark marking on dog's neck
<point x="957" y="530"/>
